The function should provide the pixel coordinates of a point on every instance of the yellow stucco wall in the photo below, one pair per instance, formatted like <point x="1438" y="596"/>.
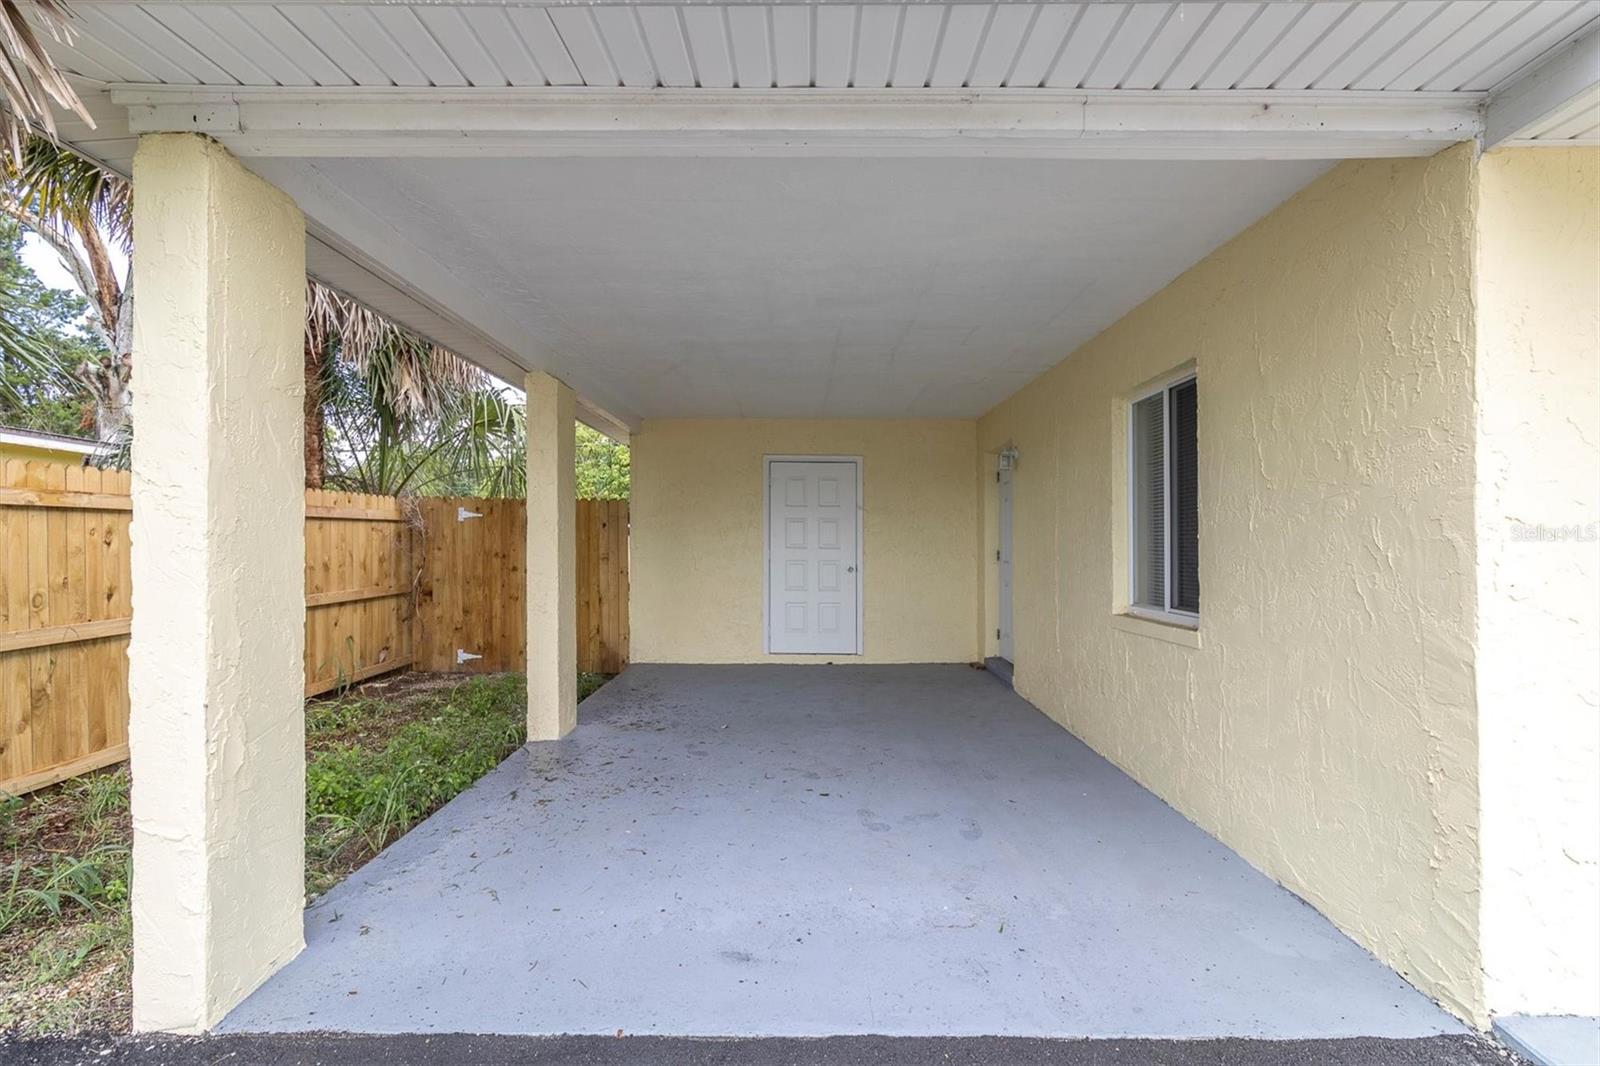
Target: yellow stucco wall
<point x="1322" y="722"/>
<point x="1539" y="577"/>
<point x="697" y="566"/>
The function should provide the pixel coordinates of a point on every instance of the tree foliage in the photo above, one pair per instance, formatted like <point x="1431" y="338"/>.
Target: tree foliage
<point x="45" y="347"/>
<point x="471" y="441"/>
<point x="603" y="466"/>
<point x="81" y="211"/>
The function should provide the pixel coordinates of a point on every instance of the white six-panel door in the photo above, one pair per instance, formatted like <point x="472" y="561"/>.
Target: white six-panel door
<point x="813" y="557"/>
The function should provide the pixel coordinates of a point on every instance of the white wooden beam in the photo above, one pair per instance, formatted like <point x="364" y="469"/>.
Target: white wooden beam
<point x="1568" y="74"/>
<point x="1043" y="123"/>
<point x="632" y="3"/>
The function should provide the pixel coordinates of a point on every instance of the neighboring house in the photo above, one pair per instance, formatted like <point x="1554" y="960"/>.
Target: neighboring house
<point x="16" y="443"/>
<point x="1232" y="373"/>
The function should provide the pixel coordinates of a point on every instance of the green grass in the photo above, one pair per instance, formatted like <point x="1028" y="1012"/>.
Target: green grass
<point x="589" y="683"/>
<point x="87" y="862"/>
<point x="359" y="798"/>
<point x="380" y="758"/>
<point x="66" y="941"/>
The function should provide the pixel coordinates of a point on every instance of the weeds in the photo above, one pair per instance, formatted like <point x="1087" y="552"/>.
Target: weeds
<point x="379" y="761"/>
<point x="358" y="799"/>
<point x="94" y="881"/>
<point x="64" y="926"/>
<point x="589" y="683"/>
<point x="92" y="876"/>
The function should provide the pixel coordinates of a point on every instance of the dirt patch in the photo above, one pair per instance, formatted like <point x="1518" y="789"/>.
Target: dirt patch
<point x="369" y="714"/>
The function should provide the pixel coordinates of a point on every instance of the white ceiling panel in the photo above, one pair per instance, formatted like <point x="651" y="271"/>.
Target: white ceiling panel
<point x="750" y="36"/>
<point x="847" y="278"/>
<point x="363" y="33"/>
<point x="806" y="286"/>
<point x="1447" y="45"/>
<point x="461" y="45"/>
<point x="1576" y="123"/>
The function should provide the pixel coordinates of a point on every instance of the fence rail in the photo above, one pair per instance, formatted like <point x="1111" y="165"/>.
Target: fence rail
<point x="65" y="614"/>
<point x="390" y="584"/>
<point x="361" y="568"/>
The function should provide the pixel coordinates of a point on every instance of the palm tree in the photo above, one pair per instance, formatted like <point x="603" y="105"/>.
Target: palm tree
<point x="29" y="80"/>
<point x="29" y="76"/>
<point x="470" y="442"/>
<point x="77" y="208"/>
<point x="408" y="377"/>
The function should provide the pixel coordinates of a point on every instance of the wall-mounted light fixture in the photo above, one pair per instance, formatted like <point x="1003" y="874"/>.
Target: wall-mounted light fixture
<point x="1008" y="457"/>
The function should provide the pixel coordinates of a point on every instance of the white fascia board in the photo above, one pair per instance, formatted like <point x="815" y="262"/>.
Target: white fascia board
<point x="1043" y="123"/>
<point x="1566" y="75"/>
<point x="51" y="443"/>
<point x="635" y="3"/>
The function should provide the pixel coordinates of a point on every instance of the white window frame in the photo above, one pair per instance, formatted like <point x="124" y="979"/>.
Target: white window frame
<point x="766" y="550"/>
<point x="1168" y="614"/>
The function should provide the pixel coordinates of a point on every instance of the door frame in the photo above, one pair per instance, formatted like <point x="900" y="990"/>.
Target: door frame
<point x="1005" y="558"/>
<point x="766" y="548"/>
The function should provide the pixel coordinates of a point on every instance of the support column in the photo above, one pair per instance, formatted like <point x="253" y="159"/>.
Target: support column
<point x="1538" y="570"/>
<point x="552" y="588"/>
<point x="215" y="675"/>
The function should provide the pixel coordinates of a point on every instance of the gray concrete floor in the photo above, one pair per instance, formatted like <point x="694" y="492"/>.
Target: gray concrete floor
<point x="1552" y="1039"/>
<point x="805" y="851"/>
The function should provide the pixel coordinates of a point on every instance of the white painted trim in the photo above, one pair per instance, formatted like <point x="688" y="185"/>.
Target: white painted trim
<point x="49" y="444"/>
<point x="647" y="3"/>
<point x="1183" y="634"/>
<point x="1160" y="387"/>
<point x="1182" y="619"/>
<point x="1558" y="80"/>
<point x="766" y="548"/>
<point x="1045" y="123"/>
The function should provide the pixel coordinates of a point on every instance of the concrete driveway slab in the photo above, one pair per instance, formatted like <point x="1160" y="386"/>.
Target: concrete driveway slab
<point x="805" y="851"/>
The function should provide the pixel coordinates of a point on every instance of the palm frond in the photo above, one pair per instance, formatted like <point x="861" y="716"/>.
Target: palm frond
<point x="411" y="376"/>
<point x="62" y="187"/>
<point x="29" y="76"/>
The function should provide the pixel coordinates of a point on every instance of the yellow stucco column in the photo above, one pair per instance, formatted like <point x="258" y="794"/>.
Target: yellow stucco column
<point x="1538" y="577"/>
<point x="215" y="676"/>
<point x="552" y="589"/>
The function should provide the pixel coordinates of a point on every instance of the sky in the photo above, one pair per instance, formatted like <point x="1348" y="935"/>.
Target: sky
<point x="43" y="261"/>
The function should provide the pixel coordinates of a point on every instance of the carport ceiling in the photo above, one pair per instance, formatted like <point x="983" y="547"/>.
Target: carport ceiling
<point x="805" y="287"/>
<point x="802" y="208"/>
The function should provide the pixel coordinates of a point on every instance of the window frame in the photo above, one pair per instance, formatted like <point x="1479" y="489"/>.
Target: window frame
<point x="1166" y="614"/>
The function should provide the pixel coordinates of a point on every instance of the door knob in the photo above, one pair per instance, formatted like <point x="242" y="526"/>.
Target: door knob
<point x="849" y="569"/>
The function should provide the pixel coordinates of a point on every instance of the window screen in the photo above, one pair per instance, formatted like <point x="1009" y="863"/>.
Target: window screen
<point x="1149" y="502"/>
<point x="1185" y="500"/>
<point x="1164" y="501"/>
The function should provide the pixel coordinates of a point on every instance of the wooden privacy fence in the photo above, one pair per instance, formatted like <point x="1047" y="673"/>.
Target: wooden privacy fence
<point x="64" y="614"/>
<point x="361" y="569"/>
<point x="471" y="595"/>
<point x="434" y="584"/>
<point x="602" y="541"/>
